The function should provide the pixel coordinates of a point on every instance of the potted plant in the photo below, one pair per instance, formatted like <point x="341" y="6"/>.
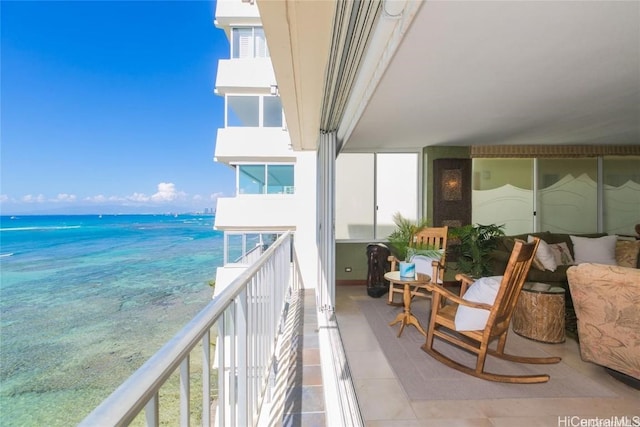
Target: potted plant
<point x="476" y="243"/>
<point x="402" y="243"/>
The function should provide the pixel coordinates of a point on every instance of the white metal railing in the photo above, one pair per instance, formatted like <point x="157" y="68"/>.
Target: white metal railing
<point x="249" y="314"/>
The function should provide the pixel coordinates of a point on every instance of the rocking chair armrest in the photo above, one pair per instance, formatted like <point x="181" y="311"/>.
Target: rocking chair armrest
<point x="447" y="294"/>
<point x="465" y="280"/>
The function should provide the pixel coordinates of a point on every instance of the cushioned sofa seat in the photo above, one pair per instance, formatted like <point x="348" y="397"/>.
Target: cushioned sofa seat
<point x="500" y="256"/>
<point x="559" y="276"/>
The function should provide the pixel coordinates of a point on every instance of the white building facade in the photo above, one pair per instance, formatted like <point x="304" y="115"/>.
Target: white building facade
<point x="275" y="185"/>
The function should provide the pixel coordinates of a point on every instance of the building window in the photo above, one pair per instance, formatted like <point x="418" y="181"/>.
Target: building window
<point x="243" y="111"/>
<point x="253" y="111"/>
<point x="251" y="179"/>
<point x="249" y="42"/>
<point x="280" y="179"/>
<point x="272" y="111"/>
<point x="265" y="179"/>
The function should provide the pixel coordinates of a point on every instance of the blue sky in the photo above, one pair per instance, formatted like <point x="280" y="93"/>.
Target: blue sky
<point x="109" y="107"/>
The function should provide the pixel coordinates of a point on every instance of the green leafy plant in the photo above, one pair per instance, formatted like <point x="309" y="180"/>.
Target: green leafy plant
<point x="402" y="238"/>
<point x="476" y="243"/>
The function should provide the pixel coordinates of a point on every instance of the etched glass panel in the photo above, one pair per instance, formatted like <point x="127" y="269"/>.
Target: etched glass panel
<point x="567" y="195"/>
<point x="502" y="194"/>
<point x="621" y="194"/>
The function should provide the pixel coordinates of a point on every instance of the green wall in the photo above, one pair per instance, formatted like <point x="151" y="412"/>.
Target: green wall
<point x="352" y="255"/>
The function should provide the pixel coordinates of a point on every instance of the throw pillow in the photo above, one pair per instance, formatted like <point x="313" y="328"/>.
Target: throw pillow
<point x="544" y="256"/>
<point x="627" y="253"/>
<point x="599" y="250"/>
<point x="482" y="290"/>
<point x="561" y="253"/>
<point x="424" y="265"/>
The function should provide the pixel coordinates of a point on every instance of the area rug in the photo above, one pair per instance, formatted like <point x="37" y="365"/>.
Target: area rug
<point x="424" y="378"/>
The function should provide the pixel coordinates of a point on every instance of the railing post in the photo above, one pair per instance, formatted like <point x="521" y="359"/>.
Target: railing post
<point x="184" y="392"/>
<point x="243" y="374"/>
<point x="151" y="412"/>
<point x="206" y="379"/>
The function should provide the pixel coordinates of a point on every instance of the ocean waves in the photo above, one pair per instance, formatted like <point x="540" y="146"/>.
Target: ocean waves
<point x="43" y="228"/>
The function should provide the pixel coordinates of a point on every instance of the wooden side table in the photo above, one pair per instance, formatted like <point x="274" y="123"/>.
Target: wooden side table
<point x="539" y="313"/>
<point x="406" y="317"/>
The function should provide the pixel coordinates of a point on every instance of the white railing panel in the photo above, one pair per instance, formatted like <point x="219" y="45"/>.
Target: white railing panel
<point x="248" y="315"/>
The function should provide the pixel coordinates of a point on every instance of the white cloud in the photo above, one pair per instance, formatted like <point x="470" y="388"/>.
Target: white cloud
<point x="63" y="197"/>
<point x="30" y="198"/>
<point x="167" y="192"/>
<point x="101" y="198"/>
<point x="138" y="197"/>
<point x="96" y="199"/>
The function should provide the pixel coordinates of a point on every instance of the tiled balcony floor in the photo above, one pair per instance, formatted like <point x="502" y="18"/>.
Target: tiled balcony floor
<point x="304" y="396"/>
<point x="383" y="402"/>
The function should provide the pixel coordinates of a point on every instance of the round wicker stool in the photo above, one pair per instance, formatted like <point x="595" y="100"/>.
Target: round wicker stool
<point x="539" y="313"/>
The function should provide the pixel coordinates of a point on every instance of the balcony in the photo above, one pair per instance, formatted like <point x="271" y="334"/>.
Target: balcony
<point x="244" y="74"/>
<point x="245" y="144"/>
<point x="332" y="370"/>
<point x="257" y="212"/>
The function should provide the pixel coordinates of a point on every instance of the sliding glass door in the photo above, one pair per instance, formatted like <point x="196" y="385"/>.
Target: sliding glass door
<point x="569" y="195"/>
<point x="370" y="189"/>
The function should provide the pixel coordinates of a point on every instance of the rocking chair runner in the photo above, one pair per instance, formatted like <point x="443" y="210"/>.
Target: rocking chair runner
<point x="433" y="237"/>
<point x="442" y="322"/>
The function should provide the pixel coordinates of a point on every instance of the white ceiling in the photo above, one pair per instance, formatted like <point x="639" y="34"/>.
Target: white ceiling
<point x="518" y="72"/>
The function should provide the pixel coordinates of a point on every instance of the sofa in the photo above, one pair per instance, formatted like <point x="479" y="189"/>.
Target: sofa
<point x="626" y="254"/>
<point x="606" y="300"/>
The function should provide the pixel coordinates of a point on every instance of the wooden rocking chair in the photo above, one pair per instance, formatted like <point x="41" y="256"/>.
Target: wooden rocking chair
<point x="434" y="237"/>
<point x="442" y="322"/>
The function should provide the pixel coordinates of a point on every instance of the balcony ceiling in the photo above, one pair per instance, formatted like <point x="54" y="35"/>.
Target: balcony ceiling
<point x="476" y="72"/>
<point x="484" y="72"/>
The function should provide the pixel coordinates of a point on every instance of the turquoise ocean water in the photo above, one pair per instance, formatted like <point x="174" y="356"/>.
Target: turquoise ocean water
<point x="86" y="300"/>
